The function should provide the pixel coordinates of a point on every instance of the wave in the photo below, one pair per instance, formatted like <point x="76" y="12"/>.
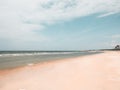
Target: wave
<point x="32" y="54"/>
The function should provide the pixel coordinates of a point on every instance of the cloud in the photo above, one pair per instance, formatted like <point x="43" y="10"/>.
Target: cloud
<point x="51" y="11"/>
<point x="20" y="18"/>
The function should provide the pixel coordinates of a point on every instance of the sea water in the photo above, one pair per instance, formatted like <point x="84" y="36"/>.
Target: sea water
<point x="12" y="59"/>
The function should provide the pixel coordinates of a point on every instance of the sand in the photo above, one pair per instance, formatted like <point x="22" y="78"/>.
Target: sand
<point x="93" y="72"/>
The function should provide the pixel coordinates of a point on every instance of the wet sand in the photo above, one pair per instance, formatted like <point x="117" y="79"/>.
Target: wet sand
<point x="93" y="72"/>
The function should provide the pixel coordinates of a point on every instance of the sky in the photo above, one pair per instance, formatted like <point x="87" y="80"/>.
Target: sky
<point x="59" y="24"/>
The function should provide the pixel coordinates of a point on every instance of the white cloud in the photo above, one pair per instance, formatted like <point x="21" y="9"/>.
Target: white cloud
<point x="57" y="10"/>
<point x="19" y="18"/>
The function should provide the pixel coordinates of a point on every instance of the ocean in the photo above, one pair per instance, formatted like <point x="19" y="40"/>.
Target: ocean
<point x="12" y="59"/>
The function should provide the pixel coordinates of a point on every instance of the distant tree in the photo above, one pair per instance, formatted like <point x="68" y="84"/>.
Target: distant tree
<point x="117" y="47"/>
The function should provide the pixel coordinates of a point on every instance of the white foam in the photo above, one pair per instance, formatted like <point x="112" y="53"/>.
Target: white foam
<point x="35" y="53"/>
<point x="30" y="64"/>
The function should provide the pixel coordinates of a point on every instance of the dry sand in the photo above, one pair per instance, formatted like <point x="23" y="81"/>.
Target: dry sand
<point x="94" y="72"/>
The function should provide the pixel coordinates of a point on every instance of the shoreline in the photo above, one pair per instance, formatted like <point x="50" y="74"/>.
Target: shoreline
<point x="34" y="62"/>
<point x="91" y="72"/>
<point x="43" y="63"/>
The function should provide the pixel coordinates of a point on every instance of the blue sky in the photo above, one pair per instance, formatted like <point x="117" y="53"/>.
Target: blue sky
<point x="59" y="25"/>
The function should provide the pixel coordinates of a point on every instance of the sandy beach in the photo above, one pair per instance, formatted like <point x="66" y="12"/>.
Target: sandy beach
<point x="92" y="72"/>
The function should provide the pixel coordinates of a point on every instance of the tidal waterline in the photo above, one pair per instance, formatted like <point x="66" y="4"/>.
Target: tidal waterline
<point x="12" y="59"/>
